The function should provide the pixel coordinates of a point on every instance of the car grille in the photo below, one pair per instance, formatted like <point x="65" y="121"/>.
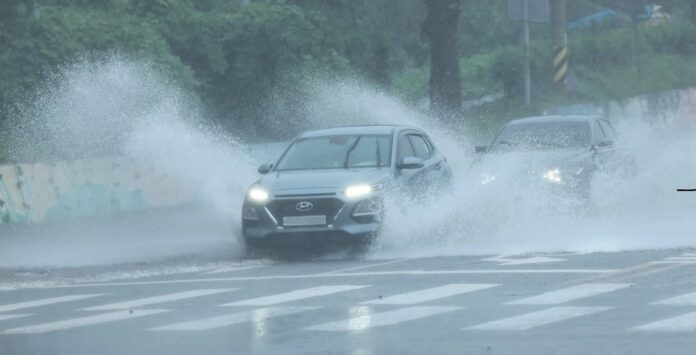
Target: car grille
<point x="321" y="206"/>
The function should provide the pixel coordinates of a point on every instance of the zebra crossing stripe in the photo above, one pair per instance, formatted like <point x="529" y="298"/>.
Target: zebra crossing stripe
<point x="224" y="269"/>
<point x="570" y="293"/>
<point x="45" y="302"/>
<point x="255" y="315"/>
<point x="295" y="295"/>
<point x="430" y="294"/>
<point x="83" y="321"/>
<point x="158" y="299"/>
<point x="365" y="319"/>
<point x="683" y="323"/>
<point x="537" y="319"/>
<point x="688" y="299"/>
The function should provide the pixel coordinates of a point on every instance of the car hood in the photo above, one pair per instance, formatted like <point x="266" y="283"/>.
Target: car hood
<point x="322" y="180"/>
<point x="532" y="162"/>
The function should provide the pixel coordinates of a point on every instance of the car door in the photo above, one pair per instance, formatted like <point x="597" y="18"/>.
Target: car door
<point x="412" y="143"/>
<point x="601" y="146"/>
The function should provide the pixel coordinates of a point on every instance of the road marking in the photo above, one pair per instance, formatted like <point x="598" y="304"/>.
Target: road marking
<point x="682" y="323"/>
<point x="259" y="314"/>
<point x="355" y="274"/>
<point x="506" y="260"/>
<point x="537" y="319"/>
<point x="369" y="320"/>
<point x="363" y="266"/>
<point x="12" y="316"/>
<point x="295" y="295"/>
<point x="225" y="269"/>
<point x="430" y="294"/>
<point x="688" y="299"/>
<point x="45" y="302"/>
<point x="681" y="258"/>
<point x="177" y="296"/>
<point x="83" y="321"/>
<point x="570" y="293"/>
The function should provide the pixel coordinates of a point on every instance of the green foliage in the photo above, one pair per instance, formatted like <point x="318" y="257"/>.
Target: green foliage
<point x="247" y="60"/>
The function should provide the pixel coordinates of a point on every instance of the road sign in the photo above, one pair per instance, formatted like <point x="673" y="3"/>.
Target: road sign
<point x="538" y="10"/>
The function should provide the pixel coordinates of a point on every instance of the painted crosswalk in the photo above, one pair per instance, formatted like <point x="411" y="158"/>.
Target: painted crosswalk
<point x="358" y="311"/>
<point x="234" y="318"/>
<point x="570" y="294"/>
<point x="536" y="319"/>
<point x="430" y="294"/>
<point x="688" y="299"/>
<point x="295" y="295"/>
<point x="373" y="320"/>
<point x="148" y="301"/>
<point x="682" y="323"/>
<point x="45" y="302"/>
<point x="83" y="321"/>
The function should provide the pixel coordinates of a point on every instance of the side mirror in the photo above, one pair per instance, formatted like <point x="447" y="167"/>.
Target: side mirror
<point x="410" y="163"/>
<point x="480" y="149"/>
<point x="265" y="168"/>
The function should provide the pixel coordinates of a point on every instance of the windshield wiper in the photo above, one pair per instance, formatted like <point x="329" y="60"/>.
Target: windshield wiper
<point x="379" y="155"/>
<point x="345" y="162"/>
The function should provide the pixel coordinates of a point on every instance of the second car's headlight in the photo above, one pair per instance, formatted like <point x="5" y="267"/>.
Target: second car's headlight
<point x="358" y="190"/>
<point x="553" y="175"/>
<point x="257" y="194"/>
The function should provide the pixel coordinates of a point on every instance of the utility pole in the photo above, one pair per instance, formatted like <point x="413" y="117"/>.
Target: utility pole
<point x="560" y="43"/>
<point x="527" y="74"/>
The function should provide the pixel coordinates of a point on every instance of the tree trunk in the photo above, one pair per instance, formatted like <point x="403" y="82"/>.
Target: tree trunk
<point x="440" y="30"/>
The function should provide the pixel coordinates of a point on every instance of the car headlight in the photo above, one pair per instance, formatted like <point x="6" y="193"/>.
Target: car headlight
<point x="553" y="175"/>
<point x="487" y="179"/>
<point x="358" y="190"/>
<point x="258" y="194"/>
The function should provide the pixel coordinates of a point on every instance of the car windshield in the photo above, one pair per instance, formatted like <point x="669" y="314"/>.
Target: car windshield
<point x="543" y="136"/>
<point x="337" y="152"/>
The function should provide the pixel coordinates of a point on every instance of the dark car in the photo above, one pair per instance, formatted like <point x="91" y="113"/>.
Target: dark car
<point x="561" y="152"/>
<point x="329" y="184"/>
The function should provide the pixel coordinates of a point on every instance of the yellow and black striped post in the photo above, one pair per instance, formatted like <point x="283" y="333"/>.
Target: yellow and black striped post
<point x="560" y="65"/>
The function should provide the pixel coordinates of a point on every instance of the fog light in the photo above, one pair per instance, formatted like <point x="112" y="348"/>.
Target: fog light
<point x="369" y="207"/>
<point x="250" y="212"/>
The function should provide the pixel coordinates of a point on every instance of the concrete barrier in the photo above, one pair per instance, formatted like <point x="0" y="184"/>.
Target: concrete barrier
<point x="48" y="191"/>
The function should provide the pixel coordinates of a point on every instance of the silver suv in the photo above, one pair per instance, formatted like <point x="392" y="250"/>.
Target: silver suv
<point x="329" y="184"/>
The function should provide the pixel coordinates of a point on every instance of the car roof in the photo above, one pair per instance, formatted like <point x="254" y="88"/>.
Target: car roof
<point x="358" y="129"/>
<point x="555" y="118"/>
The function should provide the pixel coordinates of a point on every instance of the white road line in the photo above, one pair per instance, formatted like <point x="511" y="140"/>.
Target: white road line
<point x="295" y="295"/>
<point x="45" y="302"/>
<point x="683" y="323"/>
<point x="673" y="262"/>
<point x="12" y="316"/>
<point x="225" y="269"/>
<point x="681" y="258"/>
<point x="536" y="319"/>
<point x="256" y="315"/>
<point x="570" y="293"/>
<point x="688" y="299"/>
<point x="363" y="267"/>
<point x="370" y="320"/>
<point x="83" y="321"/>
<point x="430" y="294"/>
<point x="177" y="296"/>
<point x="353" y="274"/>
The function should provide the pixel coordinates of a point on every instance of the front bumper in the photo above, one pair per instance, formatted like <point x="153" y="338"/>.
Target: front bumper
<point x="341" y="225"/>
